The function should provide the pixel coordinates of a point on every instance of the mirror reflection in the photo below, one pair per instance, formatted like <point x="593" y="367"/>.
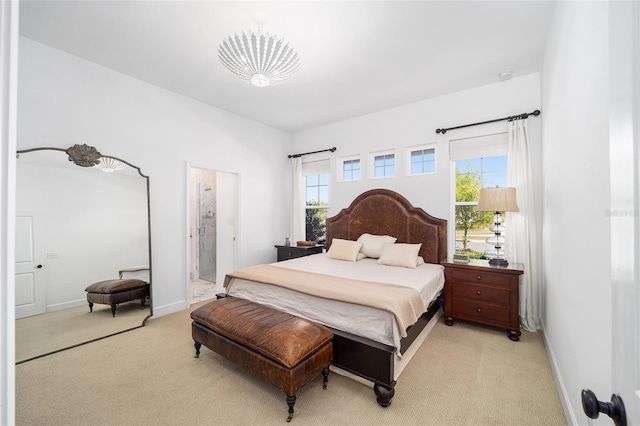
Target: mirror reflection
<point x="82" y="235"/>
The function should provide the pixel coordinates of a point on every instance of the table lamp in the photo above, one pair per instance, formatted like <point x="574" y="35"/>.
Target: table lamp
<point x="497" y="200"/>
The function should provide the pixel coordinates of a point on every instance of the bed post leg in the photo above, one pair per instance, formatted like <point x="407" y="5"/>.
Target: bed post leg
<point x="384" y="393"/>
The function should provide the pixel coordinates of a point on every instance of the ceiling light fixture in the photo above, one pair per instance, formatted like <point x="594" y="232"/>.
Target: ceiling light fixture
<point x="110" y="165"/>
<point x="259" y="58"/>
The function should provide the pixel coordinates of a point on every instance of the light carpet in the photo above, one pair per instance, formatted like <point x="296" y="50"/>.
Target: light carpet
<point x="462" y="375"/>
<point x="41" y="334"/>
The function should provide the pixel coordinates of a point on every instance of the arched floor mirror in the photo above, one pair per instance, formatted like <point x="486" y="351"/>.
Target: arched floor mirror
<point x="81" y="218"/>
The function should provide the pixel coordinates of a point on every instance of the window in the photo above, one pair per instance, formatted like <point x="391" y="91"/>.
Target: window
<point x="351" y="170"/>
<point x="472" y="227"/>
<point x="384" y="165"/>
<point x="317" y="207"/>
<point x="422" y="160"/>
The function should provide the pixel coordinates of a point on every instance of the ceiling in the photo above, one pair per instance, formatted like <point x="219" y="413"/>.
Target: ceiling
<point x="357" y="57"/>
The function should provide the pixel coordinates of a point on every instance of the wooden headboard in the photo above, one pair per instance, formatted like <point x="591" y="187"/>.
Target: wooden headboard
<point x="385" y="212"/>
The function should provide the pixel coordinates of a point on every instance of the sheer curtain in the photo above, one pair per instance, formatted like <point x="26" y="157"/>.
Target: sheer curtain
<point x="298" y="201"/>
<point x="521" y="235"/>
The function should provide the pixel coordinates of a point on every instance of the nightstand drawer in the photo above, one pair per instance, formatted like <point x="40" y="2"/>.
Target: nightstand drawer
<point x="481" y="293"/>
<point x="481" y="311"/>
<point x="292" y="252"/>
<point x="480" y="277"/>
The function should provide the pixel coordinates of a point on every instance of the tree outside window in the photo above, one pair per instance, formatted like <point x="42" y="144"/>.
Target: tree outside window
<point x="472" y="227"/>
<point x="317" y="207"/>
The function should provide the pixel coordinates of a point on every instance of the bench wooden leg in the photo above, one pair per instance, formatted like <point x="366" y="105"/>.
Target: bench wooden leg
<point x="113" y="309"/>
<point x="90" y="307"/>
<point x="197" y="346"/>
<point x="325" y="375"/>
<point x="291" y="400"/>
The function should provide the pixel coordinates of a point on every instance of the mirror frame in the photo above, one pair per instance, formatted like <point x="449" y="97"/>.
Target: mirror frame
<point x="88" y="156"/>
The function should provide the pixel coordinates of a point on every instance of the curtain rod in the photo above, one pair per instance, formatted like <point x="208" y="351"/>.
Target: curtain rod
<point x="510" y="118"/>
<point x="313" y="152"/>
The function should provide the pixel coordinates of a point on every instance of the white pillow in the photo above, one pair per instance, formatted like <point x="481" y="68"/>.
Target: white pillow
<point x="405" y="255"/>
<point x="344" y="249"/>
<point x="372" y="244"/>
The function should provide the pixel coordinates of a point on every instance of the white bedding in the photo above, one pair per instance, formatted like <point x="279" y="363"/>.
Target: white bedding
<point x="374" y="324"/>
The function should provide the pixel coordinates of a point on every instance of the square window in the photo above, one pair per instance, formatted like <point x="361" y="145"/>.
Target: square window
<point x="351" y="170"/>
<point x="423" y="161"/>
<point x="384" y="165"/>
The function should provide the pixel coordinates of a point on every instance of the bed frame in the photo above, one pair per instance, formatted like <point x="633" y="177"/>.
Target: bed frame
<point x="384" y="212"/>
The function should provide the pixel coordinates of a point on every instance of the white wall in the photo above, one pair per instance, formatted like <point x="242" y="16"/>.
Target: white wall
<point x="64" y="100"/>
<point x="415" y="124"/>
<point x="576" y="244"/>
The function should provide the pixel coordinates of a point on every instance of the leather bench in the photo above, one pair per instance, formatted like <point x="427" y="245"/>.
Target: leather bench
<point x="285" y="350"/>
<point x="113" y="292"/>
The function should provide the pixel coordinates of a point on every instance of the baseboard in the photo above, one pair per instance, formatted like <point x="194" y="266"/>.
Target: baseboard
<point x="66" y="305"/>
<point x="569" y="413"/>
<point x="160" y="311"/>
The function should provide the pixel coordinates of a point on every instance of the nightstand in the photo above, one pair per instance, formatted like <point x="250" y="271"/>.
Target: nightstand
<point x="291" y="252"/>
<point x="483" y="294"/>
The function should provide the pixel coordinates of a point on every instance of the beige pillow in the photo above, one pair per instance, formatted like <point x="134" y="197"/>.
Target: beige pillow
<point x="405" y="255"/>
<point x="344" y="249"/>
<point x="372" y="244"/>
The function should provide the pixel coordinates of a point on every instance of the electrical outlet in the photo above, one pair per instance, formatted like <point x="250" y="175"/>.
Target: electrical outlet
<point x="52" y="255"/>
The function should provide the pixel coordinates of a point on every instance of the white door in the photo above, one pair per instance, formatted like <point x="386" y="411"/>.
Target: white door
<point x="624" y="22"/>
<point x="29" y="290"/>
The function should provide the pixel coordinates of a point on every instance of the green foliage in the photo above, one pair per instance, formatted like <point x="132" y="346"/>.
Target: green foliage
<point x="316" y="227"/>
<point x="468" y="186"/>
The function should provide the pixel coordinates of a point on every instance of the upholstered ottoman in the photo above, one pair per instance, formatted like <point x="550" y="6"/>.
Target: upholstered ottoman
<point x="282" y="349"/>
<point x="112" y="292"/>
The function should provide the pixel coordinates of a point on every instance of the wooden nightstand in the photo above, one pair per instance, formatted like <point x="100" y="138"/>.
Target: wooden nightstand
<point x="291" y="252"/>
<point x="483" y="294"/>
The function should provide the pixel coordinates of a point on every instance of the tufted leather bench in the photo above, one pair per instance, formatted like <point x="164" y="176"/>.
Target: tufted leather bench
<point x="285" y="350"/>
<point x="112" y="292"/>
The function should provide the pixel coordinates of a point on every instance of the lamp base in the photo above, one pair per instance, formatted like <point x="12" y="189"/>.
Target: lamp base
<point x="500" y="263"/>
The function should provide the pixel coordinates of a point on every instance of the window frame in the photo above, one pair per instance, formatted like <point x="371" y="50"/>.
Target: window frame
<point x="340" y="168"/>
<point x="372" y="164"/>
<point x="409" y="153"/>
<point x="322" y="207"/>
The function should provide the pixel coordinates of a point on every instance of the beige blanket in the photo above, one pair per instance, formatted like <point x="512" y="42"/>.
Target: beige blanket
<point x="404" y="303"/>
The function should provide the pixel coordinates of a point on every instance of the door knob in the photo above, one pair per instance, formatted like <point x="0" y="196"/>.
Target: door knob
<point x="614" y="409"/>
<point x="39" y="266"/>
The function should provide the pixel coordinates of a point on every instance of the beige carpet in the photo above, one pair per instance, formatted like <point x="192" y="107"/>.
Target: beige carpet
<point x="462" y="375"/>
<point x="45" y="333"/>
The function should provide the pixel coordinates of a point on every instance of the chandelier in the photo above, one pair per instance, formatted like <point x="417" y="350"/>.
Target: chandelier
<point x="259" y="58"/>
<point x="110" y="165"/>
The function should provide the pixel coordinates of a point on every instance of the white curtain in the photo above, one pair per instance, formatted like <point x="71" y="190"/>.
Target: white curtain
<point x="298" y="202"/>
<point x="521" y="233"/>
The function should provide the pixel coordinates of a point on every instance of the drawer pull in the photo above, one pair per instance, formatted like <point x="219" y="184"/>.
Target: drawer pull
<point x="478" y="292"/>
<point x="479" y="277"/>
<point x="479" y="310"/>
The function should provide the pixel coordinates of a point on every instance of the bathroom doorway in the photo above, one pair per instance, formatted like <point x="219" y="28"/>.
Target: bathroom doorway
<point x="212" y="218"/>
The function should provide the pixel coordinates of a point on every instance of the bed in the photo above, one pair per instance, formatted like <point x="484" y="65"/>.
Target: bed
<point x="373" y="339"/>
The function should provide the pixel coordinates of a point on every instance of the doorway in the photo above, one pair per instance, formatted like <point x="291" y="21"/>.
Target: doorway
<point x="212" y="218"/>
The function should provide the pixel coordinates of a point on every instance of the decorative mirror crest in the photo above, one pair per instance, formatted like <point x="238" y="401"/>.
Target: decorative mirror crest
<point x="84" y="155"/>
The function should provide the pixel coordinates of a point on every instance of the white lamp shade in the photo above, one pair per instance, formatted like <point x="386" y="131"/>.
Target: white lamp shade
<point x="497" y="200"/>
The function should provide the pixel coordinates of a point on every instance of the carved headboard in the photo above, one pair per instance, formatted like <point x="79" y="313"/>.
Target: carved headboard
<point x="385" y="212"/>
